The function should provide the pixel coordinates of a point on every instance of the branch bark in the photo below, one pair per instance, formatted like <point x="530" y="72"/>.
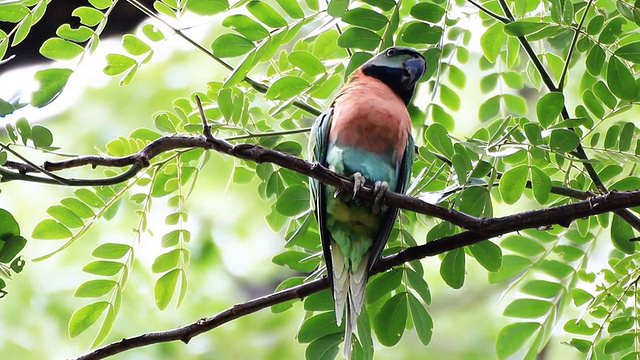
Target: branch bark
<point x="490" y="228"/>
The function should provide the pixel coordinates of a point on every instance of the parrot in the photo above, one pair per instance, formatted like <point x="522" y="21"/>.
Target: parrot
<point x="365" y="134"/>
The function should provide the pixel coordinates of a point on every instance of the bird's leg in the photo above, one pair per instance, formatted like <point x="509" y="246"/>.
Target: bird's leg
<point x="379" y="189"/>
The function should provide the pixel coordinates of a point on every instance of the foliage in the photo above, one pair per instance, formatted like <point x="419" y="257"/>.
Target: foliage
<point x="557" y="80"/>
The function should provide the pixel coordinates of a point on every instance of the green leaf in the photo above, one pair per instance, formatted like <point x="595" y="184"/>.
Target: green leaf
<point x="390" y="321"/>
<point x="286" y="87"/>
<point x="320" y="301"/>
<point x="542" y="288"/>
<point x="166" y="261"/>
<point x="523" y="245"/>
<point x="383" y="284"/>
<point x="104" y="268"/>
<point x="49" y="229"/>
<point x="266" y="14"/>
<point x="428" y="12"/>
<point x="366" y="18"/>
<point x="101" y="4"/>
<point x="173" y="237"/>
<point x="152" y="32"/>
<point x="60" y="49"/>
<point x="246" y="26"/>
<point x="13" y="12"/>
<point x="438" y="137"/>
<point x="88" y="15"/>
<point x="356" y="37"/>
<point x="41" y="136"/>
<point x="8" y="225"/>
<point x="296" y="260"/>
<point x="89" y="197"/>
<point x="65" y="216"/>
<point x="515" y="104"/>
<point x="555" y="268"/>
<point x="337" y="8"/>
<point x="165" y="287"/>
<point x="523" y="27"/>
<point x="621" y="80"/>
<point x="111" y="251"/>
<point x="134" y="46"/>
<point x="117" y="64"/>
<point x="512" y="184"/>
<point x="612" y="30"/>
<point x="621" y="234"/>
<point x="318" y="326"/>
<point x="527" y="308"/>
<point x="95" y="288"/>
<point x="595" y="60"/>
<point x="293" y="200"/>
<point x="231" y="45"/>
<point x="418" y="32"/>
<point x="626" y="136"/>
<point x="549" y="107"/>
<point x="78" y="207"/>
<point x="85" y="317"/>
<point x="449" y="98"/>
<point x="422" y="321"/>
<point x="512" y="265"/>
<point x="292" y="8"/>
<point x="563" y="140"/>
<point x="385" y="5"/>
<point x="417" y="283"/>
<point x="307" y="62"/>
<point x="452" y="268"/>
<point x="602" y="92"/>
<point x="325" y="348"/>
<point x="629" y="52"/>
<point x="207" y="7"/>
<point x="492" y="41"/>
<point x="51" y="83"/>
<point x="11" y="247"/>
<point x="541" y="185"/>
<point x="513" y="336"/>
<point x="488" y="255"/>
<point x="619" y="343"/>
<point x="489" y="108"/>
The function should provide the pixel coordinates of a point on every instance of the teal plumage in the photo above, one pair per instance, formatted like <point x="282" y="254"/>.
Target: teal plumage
<point x="365" y="134"/>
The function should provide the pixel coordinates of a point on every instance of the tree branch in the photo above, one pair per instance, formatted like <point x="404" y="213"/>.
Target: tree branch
<point x="562" y="215"/>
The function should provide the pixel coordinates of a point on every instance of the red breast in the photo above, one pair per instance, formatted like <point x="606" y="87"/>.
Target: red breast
<point x="369" y="115"/>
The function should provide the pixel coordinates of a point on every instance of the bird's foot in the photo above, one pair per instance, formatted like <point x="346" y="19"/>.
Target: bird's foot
<point x="379" y="189"/>
<point x="358" y="183"/>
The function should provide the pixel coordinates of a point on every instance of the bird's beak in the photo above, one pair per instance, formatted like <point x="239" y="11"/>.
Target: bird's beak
<point x="414" y="68"/>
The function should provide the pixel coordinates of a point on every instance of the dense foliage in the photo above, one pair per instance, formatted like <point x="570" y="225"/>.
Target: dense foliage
<point x="538" y="115"/>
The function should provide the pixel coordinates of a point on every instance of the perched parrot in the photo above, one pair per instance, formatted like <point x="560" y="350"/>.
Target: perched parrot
<point x="365" y="135"/>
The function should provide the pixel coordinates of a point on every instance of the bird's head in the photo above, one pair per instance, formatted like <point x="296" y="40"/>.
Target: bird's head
<point x="399" y="67"/>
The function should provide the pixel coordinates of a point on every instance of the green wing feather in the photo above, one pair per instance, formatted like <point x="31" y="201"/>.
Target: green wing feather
<point x="318" y="143"/>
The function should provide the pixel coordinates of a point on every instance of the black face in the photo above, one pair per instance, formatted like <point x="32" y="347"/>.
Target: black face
<point x="399" y="68"/>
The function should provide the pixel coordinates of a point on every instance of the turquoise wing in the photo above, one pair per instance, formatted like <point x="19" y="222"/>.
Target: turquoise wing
<point x="318" y="143"/>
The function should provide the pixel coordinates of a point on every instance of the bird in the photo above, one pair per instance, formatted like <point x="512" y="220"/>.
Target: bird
<point x="365" y="134"/>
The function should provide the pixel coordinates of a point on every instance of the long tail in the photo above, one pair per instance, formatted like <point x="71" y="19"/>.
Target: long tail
<point x="348" y="293"/>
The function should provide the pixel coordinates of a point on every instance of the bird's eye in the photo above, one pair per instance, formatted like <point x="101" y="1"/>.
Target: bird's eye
<point x="391" y="52"/>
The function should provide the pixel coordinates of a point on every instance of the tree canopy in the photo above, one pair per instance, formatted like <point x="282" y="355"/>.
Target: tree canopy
<point x="161" y="179"/>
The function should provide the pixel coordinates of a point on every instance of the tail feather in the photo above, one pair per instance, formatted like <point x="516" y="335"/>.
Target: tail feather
<point x="349" y="287"/>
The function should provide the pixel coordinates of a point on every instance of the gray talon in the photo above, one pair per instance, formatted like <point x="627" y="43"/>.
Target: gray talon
<point x="358" y="183"/>
<point x="379" y="188"/>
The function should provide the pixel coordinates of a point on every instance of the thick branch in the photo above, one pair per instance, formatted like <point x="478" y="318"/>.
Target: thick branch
<point x="562" y="215"/>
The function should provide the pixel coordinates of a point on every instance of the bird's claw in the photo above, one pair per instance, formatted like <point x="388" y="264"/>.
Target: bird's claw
<point x="379" y="189"/>
<point x="358" y="183"/>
